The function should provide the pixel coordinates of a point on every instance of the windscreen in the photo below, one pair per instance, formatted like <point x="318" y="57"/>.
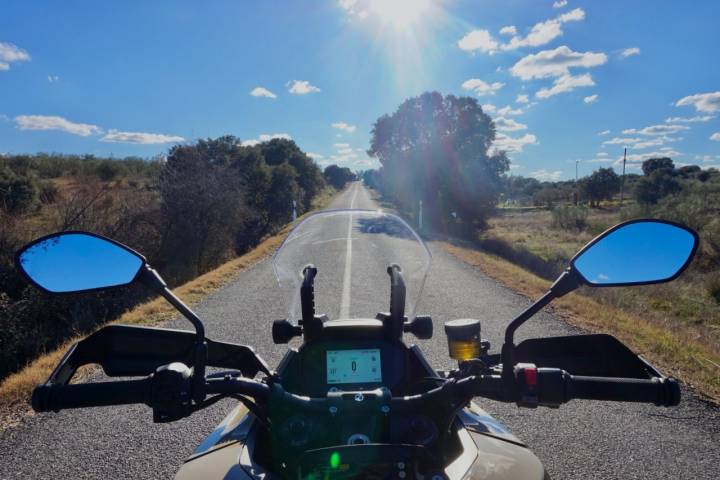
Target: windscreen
<point x="351" y="250"/>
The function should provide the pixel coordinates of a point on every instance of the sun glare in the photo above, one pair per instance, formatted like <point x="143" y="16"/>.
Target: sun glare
<point x="399" y="13"/>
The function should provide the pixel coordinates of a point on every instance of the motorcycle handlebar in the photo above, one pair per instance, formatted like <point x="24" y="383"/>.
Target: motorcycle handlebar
<point x="544" y="387"/>
<point x="663" y="392"/>
<point x="552" y="387"/>
<point x="46" y="398"/>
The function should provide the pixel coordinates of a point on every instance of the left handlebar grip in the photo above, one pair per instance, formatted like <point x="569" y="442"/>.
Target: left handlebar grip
<point x="46" y="398"/>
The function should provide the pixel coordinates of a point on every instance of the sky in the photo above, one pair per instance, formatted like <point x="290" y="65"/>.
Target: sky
<point x="569" y="83"/>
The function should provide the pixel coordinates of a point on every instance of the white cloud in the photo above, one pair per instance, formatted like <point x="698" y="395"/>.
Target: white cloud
<point x="301" y="87"/>
<point x="547" y="176"/>
<point x="604" y="132"/>
<point x="513" y="145"/>
<point x="566" y="83"/>
<point x="559" y="3"/>
<point x="341" y="145"/>
<point x="478" y="40"/>
<point x="715" y="137"/>
<point x="265" y="137"/>
<point x="601" y="154"/>
<point x="703" y="102"/>
<point x="262" y="92"/>
<point x="540" y="34"/>
<point x="503" y="124"/>
<point x="53" y="78"/>
<point x="140" y="138"/>
<point x="10" y="53"/>
<point x="621" y="141"/>
<point x="489" y="108"/>
<point x="629" y="52"/>
<point x="343" y="126"/>
<point x="522" y="99"/>
<point x="45" y="122"/>
<point x="655" y="142"/>
<point x="591" y="99"/>
<point x="697" y="119"/>
<point x="656" y="130"/>
<point x="315" y="156"/>
<point x="555" y="63"/>
<point x="544" y="32"/>
<point x="480" y="88"/>
<point x="508" y="110"/>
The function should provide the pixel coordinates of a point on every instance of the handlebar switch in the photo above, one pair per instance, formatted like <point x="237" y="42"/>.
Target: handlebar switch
<point x="171" y="397"/>
<point x="526" y="380"/>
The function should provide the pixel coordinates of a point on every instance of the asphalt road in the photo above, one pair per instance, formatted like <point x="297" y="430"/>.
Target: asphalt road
<point x="588" y="440"/>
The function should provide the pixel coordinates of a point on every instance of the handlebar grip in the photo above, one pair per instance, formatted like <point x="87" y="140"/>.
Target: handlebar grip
<point x="47" y="398"/>
<point x="660" y="391"/>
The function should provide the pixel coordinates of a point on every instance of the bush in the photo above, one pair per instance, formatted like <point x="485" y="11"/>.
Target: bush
<point x="569" y="217"/>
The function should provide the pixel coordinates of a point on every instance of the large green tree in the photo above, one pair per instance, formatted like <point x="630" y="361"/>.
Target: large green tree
<point x="439" y="150"/>
<point x="601" y="185"/>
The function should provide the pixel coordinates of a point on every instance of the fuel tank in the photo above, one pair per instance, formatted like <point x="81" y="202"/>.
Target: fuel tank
<point x="489" y="451"/>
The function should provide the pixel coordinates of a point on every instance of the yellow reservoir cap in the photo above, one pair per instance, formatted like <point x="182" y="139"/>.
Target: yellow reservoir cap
<point x="463" y="338"/>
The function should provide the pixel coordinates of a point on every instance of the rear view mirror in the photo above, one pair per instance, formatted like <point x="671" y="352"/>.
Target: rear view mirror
<point x="77" y="262"/>
<point x="636" y="253"/>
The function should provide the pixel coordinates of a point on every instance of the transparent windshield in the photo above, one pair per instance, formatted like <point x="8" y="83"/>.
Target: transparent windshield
<point x="351" y="250"/>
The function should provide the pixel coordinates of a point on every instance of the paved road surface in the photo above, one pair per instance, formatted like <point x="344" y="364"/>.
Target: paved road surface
<point x="588" y="440"/>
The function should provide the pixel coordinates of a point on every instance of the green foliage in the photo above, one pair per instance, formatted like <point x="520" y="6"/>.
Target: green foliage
<point x="438" y="149"/>
<point x="338" y="176"/>
<point x="187" y="213"/>
<point x="663" y="164"/>
<point x="569" y="217"/>
<point x="658" y="184"/>
<point x="602" y="184"/>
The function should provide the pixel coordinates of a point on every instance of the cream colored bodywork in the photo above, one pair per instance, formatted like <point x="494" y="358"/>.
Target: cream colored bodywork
<point x="490" y="452"/>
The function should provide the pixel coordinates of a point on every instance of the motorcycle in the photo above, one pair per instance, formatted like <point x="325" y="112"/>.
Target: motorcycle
<point x="351" y="399"/>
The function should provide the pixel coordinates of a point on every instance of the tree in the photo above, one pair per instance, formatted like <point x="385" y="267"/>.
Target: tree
<point x="438" y="149"/>
<point x="663" y="164"/>
<point x="649" y="189"/>
<point x="601" y="185"/>
<point x="285" y="189"/>
<point x="338" y="176"/>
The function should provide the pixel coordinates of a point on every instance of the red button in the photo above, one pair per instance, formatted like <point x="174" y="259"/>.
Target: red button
<point x="531" y="377"/>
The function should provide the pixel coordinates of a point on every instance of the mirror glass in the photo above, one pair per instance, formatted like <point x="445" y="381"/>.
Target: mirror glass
<point x="73" y="262"/>
<point x="640" y="252"/>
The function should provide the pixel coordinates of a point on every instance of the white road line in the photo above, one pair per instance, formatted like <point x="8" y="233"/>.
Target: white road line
<point x="345" y="299"/>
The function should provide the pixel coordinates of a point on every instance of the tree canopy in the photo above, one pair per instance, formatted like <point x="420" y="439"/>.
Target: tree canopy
<point x="438" y="149"/>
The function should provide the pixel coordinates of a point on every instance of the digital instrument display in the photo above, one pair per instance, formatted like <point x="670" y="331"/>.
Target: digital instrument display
<point x="354" y="366"/>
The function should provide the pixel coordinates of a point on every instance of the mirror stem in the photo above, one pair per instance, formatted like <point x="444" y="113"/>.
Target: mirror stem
<point x="153" y="279"/>
<point x="568" y="281"/>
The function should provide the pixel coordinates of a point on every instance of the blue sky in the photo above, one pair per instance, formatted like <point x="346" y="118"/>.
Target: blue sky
<point x="565" y="80"/>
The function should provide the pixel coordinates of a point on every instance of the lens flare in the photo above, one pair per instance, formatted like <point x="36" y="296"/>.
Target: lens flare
<point x="399" y="13"/>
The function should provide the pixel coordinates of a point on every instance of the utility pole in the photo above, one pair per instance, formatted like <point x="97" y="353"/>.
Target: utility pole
<point x="294" y="211"/>
<point x="420" y="216"/>
<point x="622" y="182"/>
<point x="577" y="190"/>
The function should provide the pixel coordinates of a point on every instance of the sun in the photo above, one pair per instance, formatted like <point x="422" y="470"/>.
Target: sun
<point x="400" y="14"/>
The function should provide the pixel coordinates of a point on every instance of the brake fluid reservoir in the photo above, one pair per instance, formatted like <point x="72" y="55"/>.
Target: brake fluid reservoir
<point x="463" y="338"/>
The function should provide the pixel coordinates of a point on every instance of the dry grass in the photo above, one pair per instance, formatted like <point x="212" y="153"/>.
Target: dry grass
<point x="16" y="388"/>
<point x="676" y="352"/>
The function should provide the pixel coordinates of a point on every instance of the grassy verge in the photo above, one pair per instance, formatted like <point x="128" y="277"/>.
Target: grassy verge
<point x="16" y="388"/>
<point x="676" y="352"/>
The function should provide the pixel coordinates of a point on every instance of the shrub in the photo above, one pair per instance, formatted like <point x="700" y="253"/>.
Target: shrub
<point x="569" y="217"/>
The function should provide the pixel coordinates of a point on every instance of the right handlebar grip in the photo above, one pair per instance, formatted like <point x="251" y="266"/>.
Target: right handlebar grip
<point x="660" y="391"/>
<point x="46" y="398"/>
